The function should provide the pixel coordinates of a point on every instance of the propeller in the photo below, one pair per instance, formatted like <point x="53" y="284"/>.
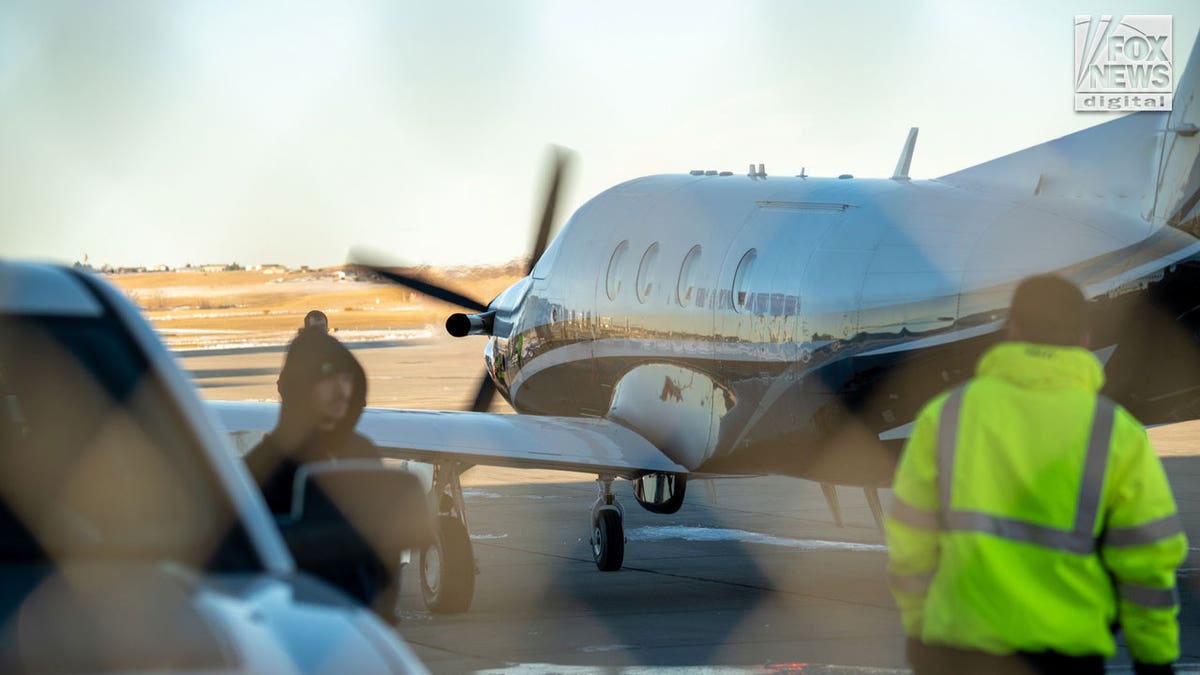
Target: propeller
<point x="560" y="159"/>
<point x="429" y="288"/>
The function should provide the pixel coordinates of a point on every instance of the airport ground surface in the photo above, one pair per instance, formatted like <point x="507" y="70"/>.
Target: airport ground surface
<point x="751" y="575"/>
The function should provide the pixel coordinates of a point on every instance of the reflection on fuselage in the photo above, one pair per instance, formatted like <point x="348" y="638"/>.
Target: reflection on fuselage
<point x="814" y="313"/>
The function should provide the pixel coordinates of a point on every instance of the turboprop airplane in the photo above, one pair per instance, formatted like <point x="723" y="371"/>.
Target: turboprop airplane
<point x="712" y="323"/>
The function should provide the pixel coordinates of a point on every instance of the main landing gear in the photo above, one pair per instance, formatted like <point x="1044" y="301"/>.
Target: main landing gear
<point x="608" y="533"/>
<point x="448" y="564"/>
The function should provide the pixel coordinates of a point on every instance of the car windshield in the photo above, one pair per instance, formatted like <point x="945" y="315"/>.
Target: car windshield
<point x="96" y="459"/>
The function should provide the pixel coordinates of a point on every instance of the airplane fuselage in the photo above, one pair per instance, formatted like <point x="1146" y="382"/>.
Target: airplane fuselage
<point x="747" y="324"/>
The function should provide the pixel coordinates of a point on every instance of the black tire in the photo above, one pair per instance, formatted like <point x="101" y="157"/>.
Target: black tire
<point x="608" y="541"/>
<point x="448" y="569"/>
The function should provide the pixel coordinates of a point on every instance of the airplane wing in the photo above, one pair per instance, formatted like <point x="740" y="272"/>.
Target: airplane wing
<point x="592" y="446"/>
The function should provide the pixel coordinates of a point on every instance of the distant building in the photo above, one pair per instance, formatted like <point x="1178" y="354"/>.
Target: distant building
<point x="272" y="269"/>
<point x="208" y="269"/>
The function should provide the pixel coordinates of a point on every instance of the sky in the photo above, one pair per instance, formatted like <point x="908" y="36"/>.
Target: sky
<point x="206" y="131"/>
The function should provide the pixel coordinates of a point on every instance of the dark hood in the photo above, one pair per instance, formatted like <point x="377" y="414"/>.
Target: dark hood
<point x="312" y="356"/>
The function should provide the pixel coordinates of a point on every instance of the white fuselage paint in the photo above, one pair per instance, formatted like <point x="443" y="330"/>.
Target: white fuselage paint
<point x="772" y="293"/>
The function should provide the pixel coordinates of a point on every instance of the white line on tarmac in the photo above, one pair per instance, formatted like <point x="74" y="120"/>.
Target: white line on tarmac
<point x="722" y="534"/>
<point x="476" y="493"/>
<point x="480" y="494"/>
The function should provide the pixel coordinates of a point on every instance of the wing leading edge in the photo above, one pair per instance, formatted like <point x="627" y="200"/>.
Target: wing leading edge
<point x="519" y="441"/>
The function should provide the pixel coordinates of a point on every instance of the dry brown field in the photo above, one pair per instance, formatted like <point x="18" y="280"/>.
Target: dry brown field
<point x="194" y="309"/>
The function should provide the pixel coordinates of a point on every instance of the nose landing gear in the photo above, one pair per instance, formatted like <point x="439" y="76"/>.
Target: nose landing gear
<point x="447" y="567"/>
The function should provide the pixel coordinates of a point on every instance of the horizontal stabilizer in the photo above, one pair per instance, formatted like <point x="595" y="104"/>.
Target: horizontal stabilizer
<point x="1145" y="164"/>
<point x="1112" y="164"/>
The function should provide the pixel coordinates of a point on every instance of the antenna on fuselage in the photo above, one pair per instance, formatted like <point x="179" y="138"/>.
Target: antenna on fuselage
<point x="906" y="154"/>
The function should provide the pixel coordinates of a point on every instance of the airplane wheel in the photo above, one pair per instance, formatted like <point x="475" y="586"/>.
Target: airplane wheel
<point x="608" y="541"/>
<point x="448" y="569"/>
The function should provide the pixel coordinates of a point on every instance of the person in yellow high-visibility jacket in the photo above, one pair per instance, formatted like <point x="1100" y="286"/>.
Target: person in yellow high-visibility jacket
<point x="1031" y="515"/>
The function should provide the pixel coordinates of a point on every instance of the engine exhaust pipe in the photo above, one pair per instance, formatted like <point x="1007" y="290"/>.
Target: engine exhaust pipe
<point x="461" y="325"/>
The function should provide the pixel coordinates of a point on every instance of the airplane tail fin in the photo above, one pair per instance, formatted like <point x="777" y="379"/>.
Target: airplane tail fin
<point x="1177" y="190"/>
<point x="1146" y="164"/>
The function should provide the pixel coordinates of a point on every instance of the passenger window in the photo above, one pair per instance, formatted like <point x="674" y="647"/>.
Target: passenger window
<point x="685" y="289"/>
<point x="616" y="266"/>
<point x="741" y="280"/>
<point x="645" y="270"/>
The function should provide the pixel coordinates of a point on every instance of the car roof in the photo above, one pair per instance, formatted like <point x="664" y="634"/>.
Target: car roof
<point x="33" y="288"/>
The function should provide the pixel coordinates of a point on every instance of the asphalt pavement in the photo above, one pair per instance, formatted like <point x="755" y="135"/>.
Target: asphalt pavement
<point x="754" y="578"/>
<point x="750" y="576"/>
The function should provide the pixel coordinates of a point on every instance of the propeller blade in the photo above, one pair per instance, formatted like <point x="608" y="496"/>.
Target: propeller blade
<point x="483" y="397"/>
<point x="560" y="163"/>
<point x="428" y="288"/>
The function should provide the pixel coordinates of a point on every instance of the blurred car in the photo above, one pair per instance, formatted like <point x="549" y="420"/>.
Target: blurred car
<point x="131" y="539"/>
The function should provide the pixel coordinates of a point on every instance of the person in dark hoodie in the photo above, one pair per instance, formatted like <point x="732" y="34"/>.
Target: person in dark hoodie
<point x="322" y="391"/>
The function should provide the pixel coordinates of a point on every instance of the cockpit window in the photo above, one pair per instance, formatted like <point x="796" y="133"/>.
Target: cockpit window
<point x="96" y="461"/>
<point x="542" y="269"/>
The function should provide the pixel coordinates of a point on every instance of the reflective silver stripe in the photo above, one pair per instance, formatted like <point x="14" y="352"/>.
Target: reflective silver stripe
<point x="1019" y="530"/>
<point x="1154" y="598"/>
<point x="1079" y="539"/>
<point x="1094" y="467"/>
<point x="913" y="516"/>
<point x="910" y="583"/>
<point x="1147" y="533"/>
<point x="947" y="442"/>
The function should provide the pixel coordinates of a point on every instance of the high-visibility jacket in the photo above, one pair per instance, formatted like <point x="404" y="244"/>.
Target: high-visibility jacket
<point x="1031" y="514"/>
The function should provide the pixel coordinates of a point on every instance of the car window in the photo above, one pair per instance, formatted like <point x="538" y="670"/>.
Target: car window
<point x="96" y="460"/>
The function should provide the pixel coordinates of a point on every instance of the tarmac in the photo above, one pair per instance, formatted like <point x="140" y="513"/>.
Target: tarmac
<point x="750" y="576"/>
